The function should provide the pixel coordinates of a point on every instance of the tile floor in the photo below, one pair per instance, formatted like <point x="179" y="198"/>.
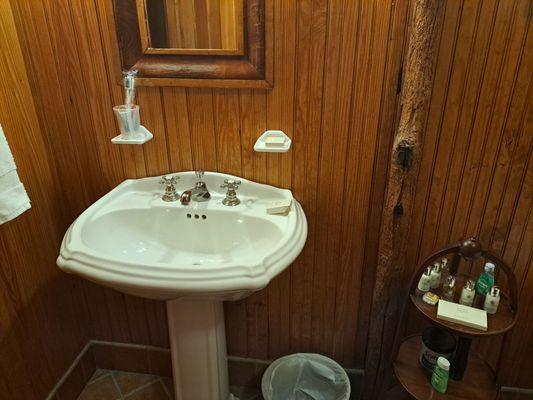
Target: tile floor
<point x="117" y="385"/>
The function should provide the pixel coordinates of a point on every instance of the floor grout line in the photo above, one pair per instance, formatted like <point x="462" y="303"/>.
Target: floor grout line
<point x="98" y="379"/>
<point x="117" y="386"/>
<point x="114" y="375"/>
<point x="139" y="389"/>
<point x="164" y="387"/>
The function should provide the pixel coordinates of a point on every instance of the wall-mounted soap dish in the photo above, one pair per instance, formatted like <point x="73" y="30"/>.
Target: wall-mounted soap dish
<point x="273" y="142"/>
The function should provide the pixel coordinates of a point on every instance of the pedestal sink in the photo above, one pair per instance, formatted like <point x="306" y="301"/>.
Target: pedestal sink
<point x="193" y="256"/>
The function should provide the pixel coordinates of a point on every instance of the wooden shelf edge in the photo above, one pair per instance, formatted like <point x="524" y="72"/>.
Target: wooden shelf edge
<point x="479" y="382"/>
<point x="504" y="323"/>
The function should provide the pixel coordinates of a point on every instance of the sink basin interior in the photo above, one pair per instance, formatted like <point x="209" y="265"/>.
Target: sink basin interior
<point x="134" y="241"/>
<point x="179" y="235"/>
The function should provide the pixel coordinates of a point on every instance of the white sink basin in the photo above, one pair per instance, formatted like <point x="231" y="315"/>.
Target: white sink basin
<point x="194" y="256"/>
<point x="133" y="241"/>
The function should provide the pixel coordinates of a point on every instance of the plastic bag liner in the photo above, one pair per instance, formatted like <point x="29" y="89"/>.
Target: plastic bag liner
<point x="305" y="376"/>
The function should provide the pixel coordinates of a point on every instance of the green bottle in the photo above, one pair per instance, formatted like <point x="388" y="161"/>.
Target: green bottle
<point x="439" y="379"/>
<point x="485" y="280"/>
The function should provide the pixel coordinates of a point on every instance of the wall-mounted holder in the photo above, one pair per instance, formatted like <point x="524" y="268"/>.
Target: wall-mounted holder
<point x="128" y="116"/>
<point x="273" y="142"/>
<point x="131" y="131"/>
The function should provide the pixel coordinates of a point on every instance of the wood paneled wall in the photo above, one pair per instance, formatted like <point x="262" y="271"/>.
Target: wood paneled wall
<point x="336" y="73"/>
<point x="336" y="76"/>
<point x="43" y="319"/>
<point x="477" y="167"/>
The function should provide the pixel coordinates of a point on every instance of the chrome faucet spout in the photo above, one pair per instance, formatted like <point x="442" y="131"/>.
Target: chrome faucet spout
<point x="200" y="193"/>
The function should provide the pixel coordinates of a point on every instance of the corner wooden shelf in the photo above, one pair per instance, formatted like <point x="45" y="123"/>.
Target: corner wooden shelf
<point x="479" y="380"/>
<point x="497" y="324"/>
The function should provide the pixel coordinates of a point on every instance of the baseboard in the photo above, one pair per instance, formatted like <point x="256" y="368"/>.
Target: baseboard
<point x="517" y="390"/>
<point x="132" y="358"/>
<point x="144" y="359"/>
<point x="76" y="376"/>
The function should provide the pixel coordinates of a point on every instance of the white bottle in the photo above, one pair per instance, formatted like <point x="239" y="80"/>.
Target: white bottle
<point x="435" y="276"/>
<point x="424" y="284"/>
<point x="468" y="293"/>
<point x="492" y="300"/>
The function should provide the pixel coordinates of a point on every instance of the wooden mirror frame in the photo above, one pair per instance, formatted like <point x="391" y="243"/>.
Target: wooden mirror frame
<point x="252" y="69"/>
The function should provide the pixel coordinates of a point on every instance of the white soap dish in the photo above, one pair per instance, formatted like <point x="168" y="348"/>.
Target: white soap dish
<point x="143" y="136"/>
<point x="273" y="142"/>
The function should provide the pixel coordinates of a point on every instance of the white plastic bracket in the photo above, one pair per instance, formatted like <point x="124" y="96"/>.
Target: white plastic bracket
<point x="143" y="136"/>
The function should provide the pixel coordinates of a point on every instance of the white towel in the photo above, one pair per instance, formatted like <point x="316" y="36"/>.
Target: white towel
<point x="13" y="197"/>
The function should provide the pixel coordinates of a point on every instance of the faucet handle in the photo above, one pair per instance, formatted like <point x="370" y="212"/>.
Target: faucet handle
<point x="231" y="184"/>
<point x="169" y="180"/>
<point x="170" y="190"/>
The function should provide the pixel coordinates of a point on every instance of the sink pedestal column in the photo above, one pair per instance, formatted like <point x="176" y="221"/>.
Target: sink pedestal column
<point x="198" y="347"/>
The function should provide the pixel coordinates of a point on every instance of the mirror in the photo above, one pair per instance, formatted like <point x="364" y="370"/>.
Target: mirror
<point x="196" y="43"/>
<point x="192" y="26"/>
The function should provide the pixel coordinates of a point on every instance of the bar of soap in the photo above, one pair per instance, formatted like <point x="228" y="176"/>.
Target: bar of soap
<point x="274" y="141"/>
<point x="464" y="315"/>
<point x="430" y="298"/>
<point x="279" y="206"/>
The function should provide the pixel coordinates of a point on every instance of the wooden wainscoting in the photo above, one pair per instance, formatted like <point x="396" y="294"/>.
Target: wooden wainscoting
<point x="336" y="70"/>
<point x="336" y="77"/>
<point x="476" y="176"/>
<point x="43" y="319"/>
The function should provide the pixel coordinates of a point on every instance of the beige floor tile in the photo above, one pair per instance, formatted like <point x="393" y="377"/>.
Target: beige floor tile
<point x="154" y="391"/>
<point x="102" y="389"/>
<point x="128" y="382"/>
<point x="98" y="374"/>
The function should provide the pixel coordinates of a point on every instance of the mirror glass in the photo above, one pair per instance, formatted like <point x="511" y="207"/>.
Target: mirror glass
<point x="194" y="24"/>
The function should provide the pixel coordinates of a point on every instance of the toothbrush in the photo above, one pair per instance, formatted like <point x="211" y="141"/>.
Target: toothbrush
<point x="129" y="87"/>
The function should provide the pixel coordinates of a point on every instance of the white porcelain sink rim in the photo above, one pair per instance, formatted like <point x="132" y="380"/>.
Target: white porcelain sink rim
<point x="82" y="260"/>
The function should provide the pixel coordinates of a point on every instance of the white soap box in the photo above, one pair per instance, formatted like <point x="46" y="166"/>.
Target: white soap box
<point x="463" y="315"/>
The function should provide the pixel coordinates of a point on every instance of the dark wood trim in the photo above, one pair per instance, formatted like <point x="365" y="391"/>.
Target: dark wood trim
<point x="478" y="383"/>
<point x="255" y="65"/>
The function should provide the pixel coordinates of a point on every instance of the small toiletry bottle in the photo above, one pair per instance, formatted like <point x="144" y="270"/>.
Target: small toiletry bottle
<point x="492" y="300"/>
<point x="424" y="283"/>
<point x="448" y="288"/>
<point x="435" y="276"/>
<point x="444" y="269"/>
<point x="484" y="283"/>
<point x="468" y="293"/>
<point x="439" y="379"/>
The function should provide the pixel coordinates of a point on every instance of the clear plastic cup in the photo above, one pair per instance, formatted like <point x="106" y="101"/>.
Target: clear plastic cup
<point x="128" y="120"/>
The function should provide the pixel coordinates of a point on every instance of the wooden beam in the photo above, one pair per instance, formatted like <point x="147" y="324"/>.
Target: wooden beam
<point x="416" y="94"/>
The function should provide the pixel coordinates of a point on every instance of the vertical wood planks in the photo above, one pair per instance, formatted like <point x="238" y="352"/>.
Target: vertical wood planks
<point x="40" y="308"/>
<point x="335" y="94"/>
<point x="477" y="159"/>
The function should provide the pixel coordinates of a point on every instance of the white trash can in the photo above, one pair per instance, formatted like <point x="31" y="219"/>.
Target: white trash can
<point x="305" y="376"/>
